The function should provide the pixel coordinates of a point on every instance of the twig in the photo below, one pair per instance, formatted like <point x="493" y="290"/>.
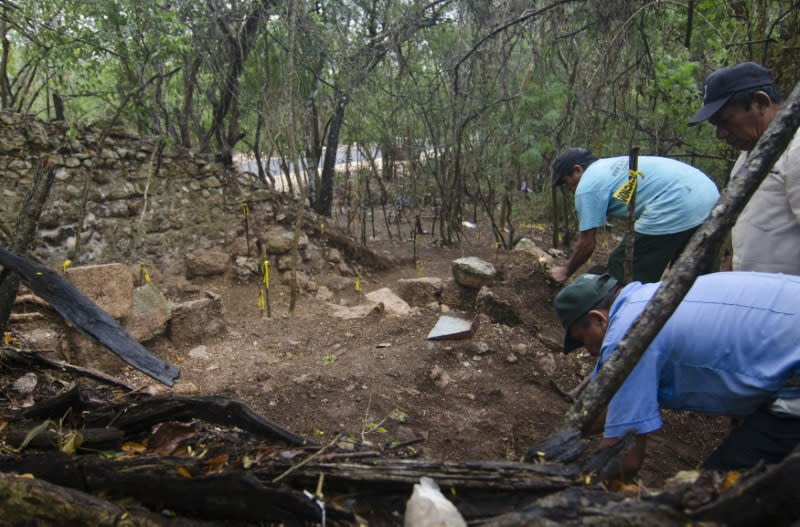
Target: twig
<point x="306" y="460"/>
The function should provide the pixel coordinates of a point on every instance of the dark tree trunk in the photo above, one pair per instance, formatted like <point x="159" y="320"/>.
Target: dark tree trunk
<point x="323" y="203"/>
<point x="24" y="232"/>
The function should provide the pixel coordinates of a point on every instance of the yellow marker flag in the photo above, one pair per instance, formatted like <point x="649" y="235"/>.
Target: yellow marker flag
<point x="419" y="271"/>
<point x="322" y="229"/>
<point x="627" y="190"/>
<point x="358" y="284"/>
<point x="66" y="264"/>
<point x="245" y="209"/>
<point x="261" y="302"/>
<point x="266" y="274"/>
<point x="145" y="274"/>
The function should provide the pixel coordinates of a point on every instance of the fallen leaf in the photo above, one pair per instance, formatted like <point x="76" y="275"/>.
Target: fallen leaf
<point x="216" y="464"/>
<point x="133" y="448"/>
<point x="730" y="480"/>
<point x="182" y="471"/>
<point x="167" y="437"/>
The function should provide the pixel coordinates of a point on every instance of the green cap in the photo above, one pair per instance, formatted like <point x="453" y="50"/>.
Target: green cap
<point x="578" y="298"/>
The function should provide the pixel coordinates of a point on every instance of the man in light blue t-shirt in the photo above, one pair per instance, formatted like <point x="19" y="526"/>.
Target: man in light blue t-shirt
<point x="731" y="348"/>
<point x="672" y="200"/>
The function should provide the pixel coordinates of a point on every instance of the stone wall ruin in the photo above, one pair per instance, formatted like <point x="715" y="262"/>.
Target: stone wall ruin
<point x="127" y="200"/>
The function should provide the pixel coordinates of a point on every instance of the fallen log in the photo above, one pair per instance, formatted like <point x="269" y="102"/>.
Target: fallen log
<point x="579" y="507"/>
<point x="177" y="484"/>
<point x="149" y="411"/>
<point x="769" y="497"/>
<point x="86" y="316"/>
<point x="141" y="412"/>
<point x="29" y="501"/>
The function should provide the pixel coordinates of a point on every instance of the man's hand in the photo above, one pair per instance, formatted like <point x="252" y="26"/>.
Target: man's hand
<point x="559" y="274"/>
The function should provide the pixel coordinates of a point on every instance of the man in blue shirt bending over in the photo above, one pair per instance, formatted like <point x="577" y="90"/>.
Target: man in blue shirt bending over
<point x="731" y="348"/>
<point x="672" y="200"/>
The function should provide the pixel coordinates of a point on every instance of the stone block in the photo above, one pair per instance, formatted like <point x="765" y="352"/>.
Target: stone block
<point x="473" y="272"/>
<point x="208" y="262"/>
<point x="110" y="286"/>
<point x="194" y="320"/>
<point x="420" y="291"/>
<point x="393" y="304"/>
<point x="151" y="313"/>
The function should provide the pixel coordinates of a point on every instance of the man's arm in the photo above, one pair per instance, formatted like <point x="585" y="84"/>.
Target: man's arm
<point x="633" y="460"/>
<point x="584" y="247"/>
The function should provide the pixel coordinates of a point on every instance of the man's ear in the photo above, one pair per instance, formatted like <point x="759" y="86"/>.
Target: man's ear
<point x="762" y="99"/>
<point x="578" y="170"/>
<point x="599" y="316"/>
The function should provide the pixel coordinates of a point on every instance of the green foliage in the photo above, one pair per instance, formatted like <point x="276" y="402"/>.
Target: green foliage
<point x="463" y="105"/>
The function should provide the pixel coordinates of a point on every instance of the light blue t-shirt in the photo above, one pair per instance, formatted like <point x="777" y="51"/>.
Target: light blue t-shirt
<point x="726" y="350"/>
<point x="671" y="196"/>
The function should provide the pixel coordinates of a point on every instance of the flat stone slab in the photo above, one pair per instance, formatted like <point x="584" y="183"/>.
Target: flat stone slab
<point x="454" y="326"/>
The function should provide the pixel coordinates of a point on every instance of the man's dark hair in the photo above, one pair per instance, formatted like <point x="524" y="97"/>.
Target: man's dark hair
<point x="745" y="98"/>
<point x="604" y="304"/>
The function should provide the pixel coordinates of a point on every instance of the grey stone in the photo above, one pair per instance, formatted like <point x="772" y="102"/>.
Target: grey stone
<point x="394" y="304"/>
<point x="473" y="272"/>
<point x="25" y="384"/>
<point x="151" y="313"/>
<point x="199" y="352"/>
<point x="528" y="246"/>
<point x="453" y="326"/>
<point x="209" y="262"/>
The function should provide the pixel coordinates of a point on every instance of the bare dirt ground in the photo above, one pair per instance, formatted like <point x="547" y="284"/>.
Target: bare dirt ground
<point x="380" y="382"/>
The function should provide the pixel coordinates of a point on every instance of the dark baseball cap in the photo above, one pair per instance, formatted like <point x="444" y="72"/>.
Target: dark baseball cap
<point x="721" y="85"/>
<point x="578" y="298"/>
<point x="567" y="159"/>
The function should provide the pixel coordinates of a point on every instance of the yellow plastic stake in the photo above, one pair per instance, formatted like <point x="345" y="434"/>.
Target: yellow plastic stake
<point x="266" y="274"/>
<point x="358" y="284"/>
<point x="66" y="264"/>
<point x="145" y="274"/>
<point x="245" y="209"/>
<point x="261" y="302"/>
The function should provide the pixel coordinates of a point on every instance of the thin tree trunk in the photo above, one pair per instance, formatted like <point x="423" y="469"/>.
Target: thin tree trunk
<point x="24" y="232"/>
<point x="324" y="199"/>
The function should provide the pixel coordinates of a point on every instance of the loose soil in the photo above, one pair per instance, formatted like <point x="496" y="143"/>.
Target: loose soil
<point x="380" y="381"/>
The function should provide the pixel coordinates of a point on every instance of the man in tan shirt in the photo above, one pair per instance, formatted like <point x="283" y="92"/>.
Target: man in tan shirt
<point x="741" y="102"/>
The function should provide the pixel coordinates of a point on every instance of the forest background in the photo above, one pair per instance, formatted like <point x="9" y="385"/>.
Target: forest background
<point x="451" y="105"/>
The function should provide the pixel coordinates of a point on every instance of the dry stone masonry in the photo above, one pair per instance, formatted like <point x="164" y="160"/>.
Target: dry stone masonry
<point x="126" y="199"/>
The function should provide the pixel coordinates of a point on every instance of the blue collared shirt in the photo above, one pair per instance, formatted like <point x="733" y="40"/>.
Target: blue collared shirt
<point x="726" y="350"/>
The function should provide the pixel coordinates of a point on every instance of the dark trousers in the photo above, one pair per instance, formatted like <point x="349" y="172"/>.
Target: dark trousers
<point x="651" y="255"/>
<point x="761" y="436"/>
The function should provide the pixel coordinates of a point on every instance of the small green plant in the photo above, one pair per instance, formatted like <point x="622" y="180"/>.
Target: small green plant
<point x="288" y="354"/>
<point x="399" y="415"/>
<point x="329" y="359"/>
